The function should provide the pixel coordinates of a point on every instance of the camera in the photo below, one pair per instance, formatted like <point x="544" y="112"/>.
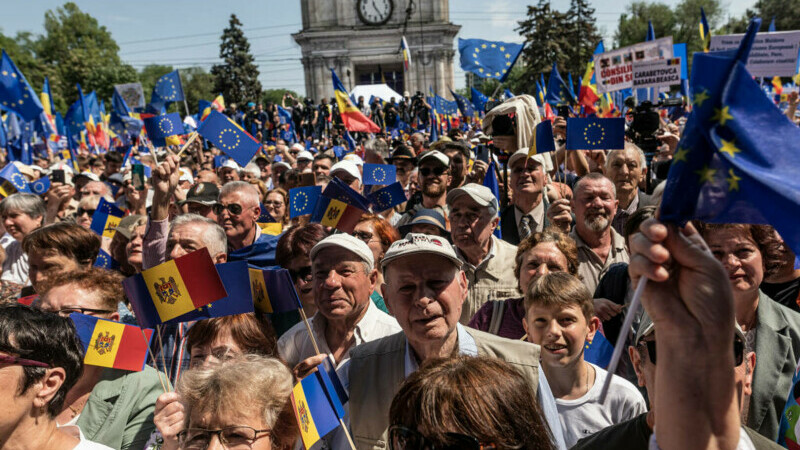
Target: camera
<point x="646" y="122"/>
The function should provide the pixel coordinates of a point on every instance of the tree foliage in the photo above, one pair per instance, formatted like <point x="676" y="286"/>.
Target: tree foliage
<point x="784" y="12"/>
<point x="582" y="35"/>
<point x="237" y="77"/>
<point x="275" y="96"/>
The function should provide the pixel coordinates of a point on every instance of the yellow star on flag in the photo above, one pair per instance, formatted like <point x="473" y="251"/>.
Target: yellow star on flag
<point x="502" y="49"/>
<point x="733" y="181"/>
<point x="729" y="148"/>
<point x="680" y="154"/>
<point x="483" y="45"/>
<point x="706" y="174"/>
<point x="722" y="115"/>
<point x="508" y="55"/>
<point x="700" y="98"/>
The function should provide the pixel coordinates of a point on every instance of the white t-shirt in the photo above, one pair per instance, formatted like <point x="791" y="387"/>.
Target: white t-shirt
<point x="585" y="416"/>
<point x="15" y="268"/>
<point x="84" y="444"/>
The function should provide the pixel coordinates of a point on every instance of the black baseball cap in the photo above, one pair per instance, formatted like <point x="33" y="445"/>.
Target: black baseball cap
<point x="203" y="193"/>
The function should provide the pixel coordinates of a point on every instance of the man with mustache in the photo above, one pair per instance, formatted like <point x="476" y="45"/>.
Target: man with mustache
<point x="599" y="245"/>
<point x="488" y="261"/>
<point x="434" y="177"/>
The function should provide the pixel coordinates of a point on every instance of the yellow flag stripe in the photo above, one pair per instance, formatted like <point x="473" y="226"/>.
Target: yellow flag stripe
<point x="308" y="430"/>
<point x="168" y="290"/>
<point x="111" y="226"/>
<point x="333" y="213"/>
<point x="104" y="345"/>
<point x="258" y="291"/>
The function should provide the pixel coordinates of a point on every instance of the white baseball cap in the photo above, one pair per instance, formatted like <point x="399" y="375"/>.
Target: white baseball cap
<point x="350" y="243"/>
<point x="355" y="159"/>
<point x="230" y="164"/>
<point x="522" y="154"/>
<point x="437" y="155"/>
<point x="298" y="147"/>
<point x="347" y="166"/>
<point x="418" y="244"/>
<point x="305" y="155"/>
<point x="481" y="194"/>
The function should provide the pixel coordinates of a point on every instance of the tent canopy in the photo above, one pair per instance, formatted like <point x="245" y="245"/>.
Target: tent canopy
<point x="382" y="91"/>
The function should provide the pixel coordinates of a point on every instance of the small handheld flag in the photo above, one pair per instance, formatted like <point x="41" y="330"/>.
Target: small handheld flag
<point x="106" y="218"/>
<point x="273" y="291"/>
<point x="316" y="406"/>
<point x="388" y="197"/>
<point x="105" y="261"/>
<point x="235" y="277"/>
<point x="13" y="181"/>
<point x="379" y="174"/>
<point x="160" y="128"/>
<point x="168" y="89"/>
<point x="41" y="186"/>
<point x="112" y="344"/>
<point x="339" y="207"/>
<point x="302" y="200"/>
<point x="592" y="133"/>
<point x="229" y="137"/>
<point x="164" y="292"/>
<point x="705" y="31"/>
<point x="268" y="224"/>
<point x="598" y="351"/>
<point x="542" y="141"/>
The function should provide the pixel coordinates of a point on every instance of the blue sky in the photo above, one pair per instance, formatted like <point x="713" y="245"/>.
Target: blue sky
<point x="186" y="33"/>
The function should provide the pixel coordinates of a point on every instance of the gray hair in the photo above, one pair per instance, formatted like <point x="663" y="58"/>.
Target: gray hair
<point x="213" y="237"/>
<point x="248" y="192"/>
<point x="628" y="146"/>
<point x="378" y="147"/>
<point x="253" y="169"/>
<point x="29" y="204"/>
<point x="594" y="176"/>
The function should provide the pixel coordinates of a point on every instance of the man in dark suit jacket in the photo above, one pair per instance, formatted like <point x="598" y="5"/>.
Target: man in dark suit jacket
<point x="627" y="168"/>
<point x="529" y="202"/>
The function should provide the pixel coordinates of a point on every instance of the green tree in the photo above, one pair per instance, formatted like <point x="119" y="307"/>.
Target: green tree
<point x="632" y="26"/>
<point x="687" y="20"/>
<point x="275" y="96"/>
<point x="197" y="84"/>
<point x="582" y="37"/>
<point x="782" y="10"/>
<point x="546" y="36"/>
<point x="237" y="77"/>
<point x="79" y="50"/>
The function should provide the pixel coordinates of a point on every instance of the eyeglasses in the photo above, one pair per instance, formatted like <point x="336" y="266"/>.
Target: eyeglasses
<point x="438" y="170"/>
<point x="82" y="211"/>
<point x="273" y="203"/>
<point x="65" y="312"/>
<point x="5" y="359"/>
<point x="232" y="438"/>
<point x="363" y="235"/>
<point x="738" y="351"/>
<point x="303" y="273"/>
<point x="402" y="438"/>
<point x="233" y="208"/>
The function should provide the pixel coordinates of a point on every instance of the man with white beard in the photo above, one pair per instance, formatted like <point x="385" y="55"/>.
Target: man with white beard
<point x="599" y="246"/>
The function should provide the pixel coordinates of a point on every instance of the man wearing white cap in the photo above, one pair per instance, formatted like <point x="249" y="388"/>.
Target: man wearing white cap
<point x="348" y="172"/>
<point x="229" y="171"/>
<point x="304" y="160"/>
<point x="343" y="279"/>
<point x="434" y="178"/>
<point x="425" y="289"/>
<point x="527" y="213"/>
<point x="488" y="261"/>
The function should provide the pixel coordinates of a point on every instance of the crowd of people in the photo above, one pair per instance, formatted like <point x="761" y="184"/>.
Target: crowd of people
<point x="458" y="319"/>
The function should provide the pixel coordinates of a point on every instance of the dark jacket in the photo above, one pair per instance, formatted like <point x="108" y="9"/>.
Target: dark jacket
<point x="508" y="222"/>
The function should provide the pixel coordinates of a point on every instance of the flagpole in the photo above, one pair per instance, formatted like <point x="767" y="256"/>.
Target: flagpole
<point x="161" y="346"/>
<point x="186" y="145"/>
<point x="150" y="352"/>
<point x="310" y="333"/>
<point x="347" y="433"/>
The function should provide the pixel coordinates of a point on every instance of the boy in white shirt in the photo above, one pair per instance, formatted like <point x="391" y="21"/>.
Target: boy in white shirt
<point x="559" y="317"/>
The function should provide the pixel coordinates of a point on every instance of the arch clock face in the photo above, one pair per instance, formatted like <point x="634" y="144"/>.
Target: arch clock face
<point x="375" y="12"/>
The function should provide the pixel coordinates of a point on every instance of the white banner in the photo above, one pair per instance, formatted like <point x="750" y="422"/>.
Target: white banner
<point x="658" y="73"/>
<point x="772" y="54"/>
<point x="614" y="69"/>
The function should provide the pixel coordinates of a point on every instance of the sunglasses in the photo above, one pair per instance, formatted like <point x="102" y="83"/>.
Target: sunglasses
<point x="303" y="273"/>
<point x="5" y="359"/>
<point x="233" y="208"/>
<point x="402" y="438"/>
<point x="82" y="211"/>
<point x="738" y="351"/>
<point x="425" y="171"/>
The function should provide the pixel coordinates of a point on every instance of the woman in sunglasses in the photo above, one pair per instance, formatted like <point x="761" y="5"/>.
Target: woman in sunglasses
<point x="222" y="409"/>
<point x="41" y="358"/>
<point x="467" y="403"/>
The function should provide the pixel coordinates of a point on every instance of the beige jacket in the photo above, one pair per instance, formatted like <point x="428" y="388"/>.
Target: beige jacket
<point x="492" y="279"/>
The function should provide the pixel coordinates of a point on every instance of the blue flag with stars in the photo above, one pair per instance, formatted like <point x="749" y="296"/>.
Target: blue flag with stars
<point x="161" y="127"/>
<point x="593" y="133"/>
<point x="168" y="89"/>
<point x="380" y="174"/>
<point x="41" y="186"/>
<point x="557" y="90"/>
<point x="15" y="92"/>
<point x="488" y="59"/>
<point x="388" y="197"/>
<point x="490" y="181"/>
<point x="229" y="137"/>
<point x="105" y="261"/>
<point x="464" y="105"/>
<point x="736" y="161"/>
<point x="12" y="181"/>
<point x="478" y="99"/>
<point x="302" y="200"/>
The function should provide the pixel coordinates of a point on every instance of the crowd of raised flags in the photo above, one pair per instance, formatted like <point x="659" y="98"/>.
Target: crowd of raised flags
<point x="734" y="164"/>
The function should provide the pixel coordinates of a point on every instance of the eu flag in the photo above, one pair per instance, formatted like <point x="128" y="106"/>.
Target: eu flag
<point x="12" y="181"/>
<point x="557" y="90"/>
<point x="598" y="351"/>
<point x="41" y="186"/>
<point x="464" y="105"/>
<point x="105" y="261"/>
<point x="490" y="181"/>
<point x="592" y="133"/>
<point x="388" y="197"/>
<point x="478" y="100"/>
<point x="168" y="89"/>
<point x="488" y="59"/>
<point x="379" y="174"/>
<point x="737" y="158"/>
<point x="15" y="92"/>
<point x="229" y="137"/>
<point x="302" y="200"/>
<point x="161" y="127"/>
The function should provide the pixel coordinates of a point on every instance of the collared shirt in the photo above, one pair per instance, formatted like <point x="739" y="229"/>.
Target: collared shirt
<point x="484" y="261"/>
<point x="536" y="215"/>
<point x="492" y="278"/>
<point x="621" y="218"/>
<point x="295" y="345"/>
<point x="590" y="267"/>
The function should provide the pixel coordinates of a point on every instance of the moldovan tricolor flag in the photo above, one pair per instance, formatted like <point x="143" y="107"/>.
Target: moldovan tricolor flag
<point x="317" y="406"/>
<point x="174" y="288"/>
<point x="406" y="53"/>
<point x="339" y="207"/>
<point x="273" y="291"/>
<point x="352" y="117"/>
<point x="112" y="344"/>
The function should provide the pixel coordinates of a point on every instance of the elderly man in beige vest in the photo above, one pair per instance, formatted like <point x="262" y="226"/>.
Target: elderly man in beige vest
<point x="425" y="289"/>
<point x="488" y="261"/>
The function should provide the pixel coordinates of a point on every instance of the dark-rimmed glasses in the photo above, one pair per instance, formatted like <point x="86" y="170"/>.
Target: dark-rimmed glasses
<point x="402" y="438"/>
<point x="232" y="438"/>
<point x="438" y="170"/>
<point x="66" y="311"/>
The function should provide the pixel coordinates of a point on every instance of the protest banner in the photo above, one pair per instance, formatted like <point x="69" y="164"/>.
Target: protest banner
<point x="773" y="54"/>
<point x="614" y="69"/>
<point x="132" y="93"/>
<point x="658" y="73"/>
